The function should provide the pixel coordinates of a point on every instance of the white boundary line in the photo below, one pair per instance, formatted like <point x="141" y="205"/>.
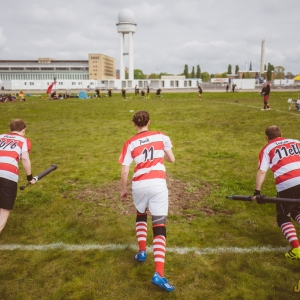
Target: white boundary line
<point x="113" y="247"/>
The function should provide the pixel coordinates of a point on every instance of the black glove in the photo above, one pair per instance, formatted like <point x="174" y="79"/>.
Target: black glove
<point x="29" y="177"/>
<point x="259" y="197"/>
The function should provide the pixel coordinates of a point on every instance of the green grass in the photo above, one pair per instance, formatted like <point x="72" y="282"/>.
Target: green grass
<point x="216" y="140"/>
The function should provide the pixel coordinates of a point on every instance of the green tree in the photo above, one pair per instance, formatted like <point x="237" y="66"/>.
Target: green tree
<point x="247" y="75"/>
<point x="237" y="69"/>
<point x="193" y="73"/>
<point x="198" y="74"/>
<point x="279" y="72"/>
<point x="153" y="76"/>
<point x="270" y="68"/>
<point x="138" y="74"/>
<point x="205" y="77"/>
<point x="186" y="71"/>
<point x="229" y="69"/>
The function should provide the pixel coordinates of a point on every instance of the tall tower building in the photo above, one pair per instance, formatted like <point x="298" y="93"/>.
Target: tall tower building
<point x="262" y="58"/>
<point x="125" y="26"/>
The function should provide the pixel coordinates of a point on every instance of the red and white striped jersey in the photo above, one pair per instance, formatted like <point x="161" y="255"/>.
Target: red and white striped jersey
<point x="147" y="150"/>
<point x="282" y="156"/>
<point x="12" y="146"/>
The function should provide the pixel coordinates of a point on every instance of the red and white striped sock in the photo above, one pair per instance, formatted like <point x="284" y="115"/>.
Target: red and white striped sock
<point x="290" y="234"/>
<point x="141" y="234"/>
<point x="297" y="219"/>
<point x="159" y="249"/>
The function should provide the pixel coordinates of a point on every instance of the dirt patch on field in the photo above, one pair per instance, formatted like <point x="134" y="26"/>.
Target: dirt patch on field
<point x="184" y="198"/>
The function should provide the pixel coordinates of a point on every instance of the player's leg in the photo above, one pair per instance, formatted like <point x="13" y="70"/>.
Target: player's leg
<point x="158" y="206"/>
<point x="141" y="234"/>
<point x="140" y="201"/>
<point x="8" y="194"/>
<point x="4" y="214"/>
<point x="288" y="229"/>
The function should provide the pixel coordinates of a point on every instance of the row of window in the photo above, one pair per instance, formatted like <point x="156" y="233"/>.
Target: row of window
<point x="60" y="83"/>
<point x="42" y="69"/>
<point x="12" y="76"/>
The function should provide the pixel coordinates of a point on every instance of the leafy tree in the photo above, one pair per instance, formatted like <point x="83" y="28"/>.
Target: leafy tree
<point x="205" y="77"/>
<point x="229" y="69"/>
<point x="153" y="76"/>
<point x="138" y="74"/>
<point x="247" y="75"/>
<point x="198" y="74"/>
<point x="290" y="75"/>
<point x="279" y="72"/>
<point x="237" y="69"/>
<point x="186" y="71"/>
<point x="193" y="73"/>
<point x="269" y="71"/>
<point x="222" y="75"/>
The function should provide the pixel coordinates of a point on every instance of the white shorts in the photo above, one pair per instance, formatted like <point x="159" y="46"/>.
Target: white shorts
<point x="155" y="197"/>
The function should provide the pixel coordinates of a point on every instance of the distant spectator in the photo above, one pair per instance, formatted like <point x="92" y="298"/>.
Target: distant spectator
<point x="98" y="93"/>
<point x="2" y="88"/>
<point x="54" y="96"/>
<point x="227" y="87"/>
<point x="21" y="95"/>
<point x="109" y="93"/>
<point x="123" y="91"/>
<point x="233" y="87"/>
<point x="158" y="93"/>
<point x="200" y="92"/>
<point x="148" y="92"/>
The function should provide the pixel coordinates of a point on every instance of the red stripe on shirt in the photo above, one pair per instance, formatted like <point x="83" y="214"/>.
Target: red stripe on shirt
<point x="9" y="168"/>
<point x="151" y="175"/>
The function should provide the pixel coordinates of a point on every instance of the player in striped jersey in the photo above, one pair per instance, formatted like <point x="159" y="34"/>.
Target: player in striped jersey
<point x="13" y="146"/>
<point x="282" y="156"/>
<point x="149" y="150"/>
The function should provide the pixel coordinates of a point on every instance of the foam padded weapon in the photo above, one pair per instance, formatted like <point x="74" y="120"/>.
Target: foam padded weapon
<point x="40" y="175"/>
<point x="265" y="199"/>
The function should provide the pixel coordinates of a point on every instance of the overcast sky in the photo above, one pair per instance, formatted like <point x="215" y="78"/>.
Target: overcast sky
<point x="169" y="33"/>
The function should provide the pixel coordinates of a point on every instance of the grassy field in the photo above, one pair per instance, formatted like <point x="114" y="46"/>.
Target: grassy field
<point x="216" y="145"/>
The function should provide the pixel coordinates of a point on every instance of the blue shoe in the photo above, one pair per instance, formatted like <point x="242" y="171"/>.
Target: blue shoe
<point x="162" y="282"/>
<point x="141" y="256"/>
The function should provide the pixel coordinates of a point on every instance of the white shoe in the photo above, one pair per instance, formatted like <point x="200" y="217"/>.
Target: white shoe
<point x="263" y="109"/>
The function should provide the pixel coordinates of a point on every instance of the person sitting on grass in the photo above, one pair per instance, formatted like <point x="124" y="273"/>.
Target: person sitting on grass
<point x="21" y="95"/>
<point x="142" y="94"/>
<point x="54" y="96"/>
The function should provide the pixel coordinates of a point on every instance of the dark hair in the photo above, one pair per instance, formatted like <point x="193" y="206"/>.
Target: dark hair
<point x="273" y="132"/>
<point x="141" y="118"/>
<point x="17" y="125"/>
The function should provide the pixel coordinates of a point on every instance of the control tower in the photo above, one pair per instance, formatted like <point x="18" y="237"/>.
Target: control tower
<point x="125" y="26"/>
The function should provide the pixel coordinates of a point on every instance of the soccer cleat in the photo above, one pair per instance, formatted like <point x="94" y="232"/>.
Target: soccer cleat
<point x="162" y="282"/>
<point x="141" y="256"/>
<point x="263" y="109"/>
<point x="293" y="253"/>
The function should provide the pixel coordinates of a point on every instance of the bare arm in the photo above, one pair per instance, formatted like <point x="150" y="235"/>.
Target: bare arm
<point x="169" y="156"/>
<point x="27" y="165"/>
<point x="124" y="177"/>
<point x="260" y="178"/>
